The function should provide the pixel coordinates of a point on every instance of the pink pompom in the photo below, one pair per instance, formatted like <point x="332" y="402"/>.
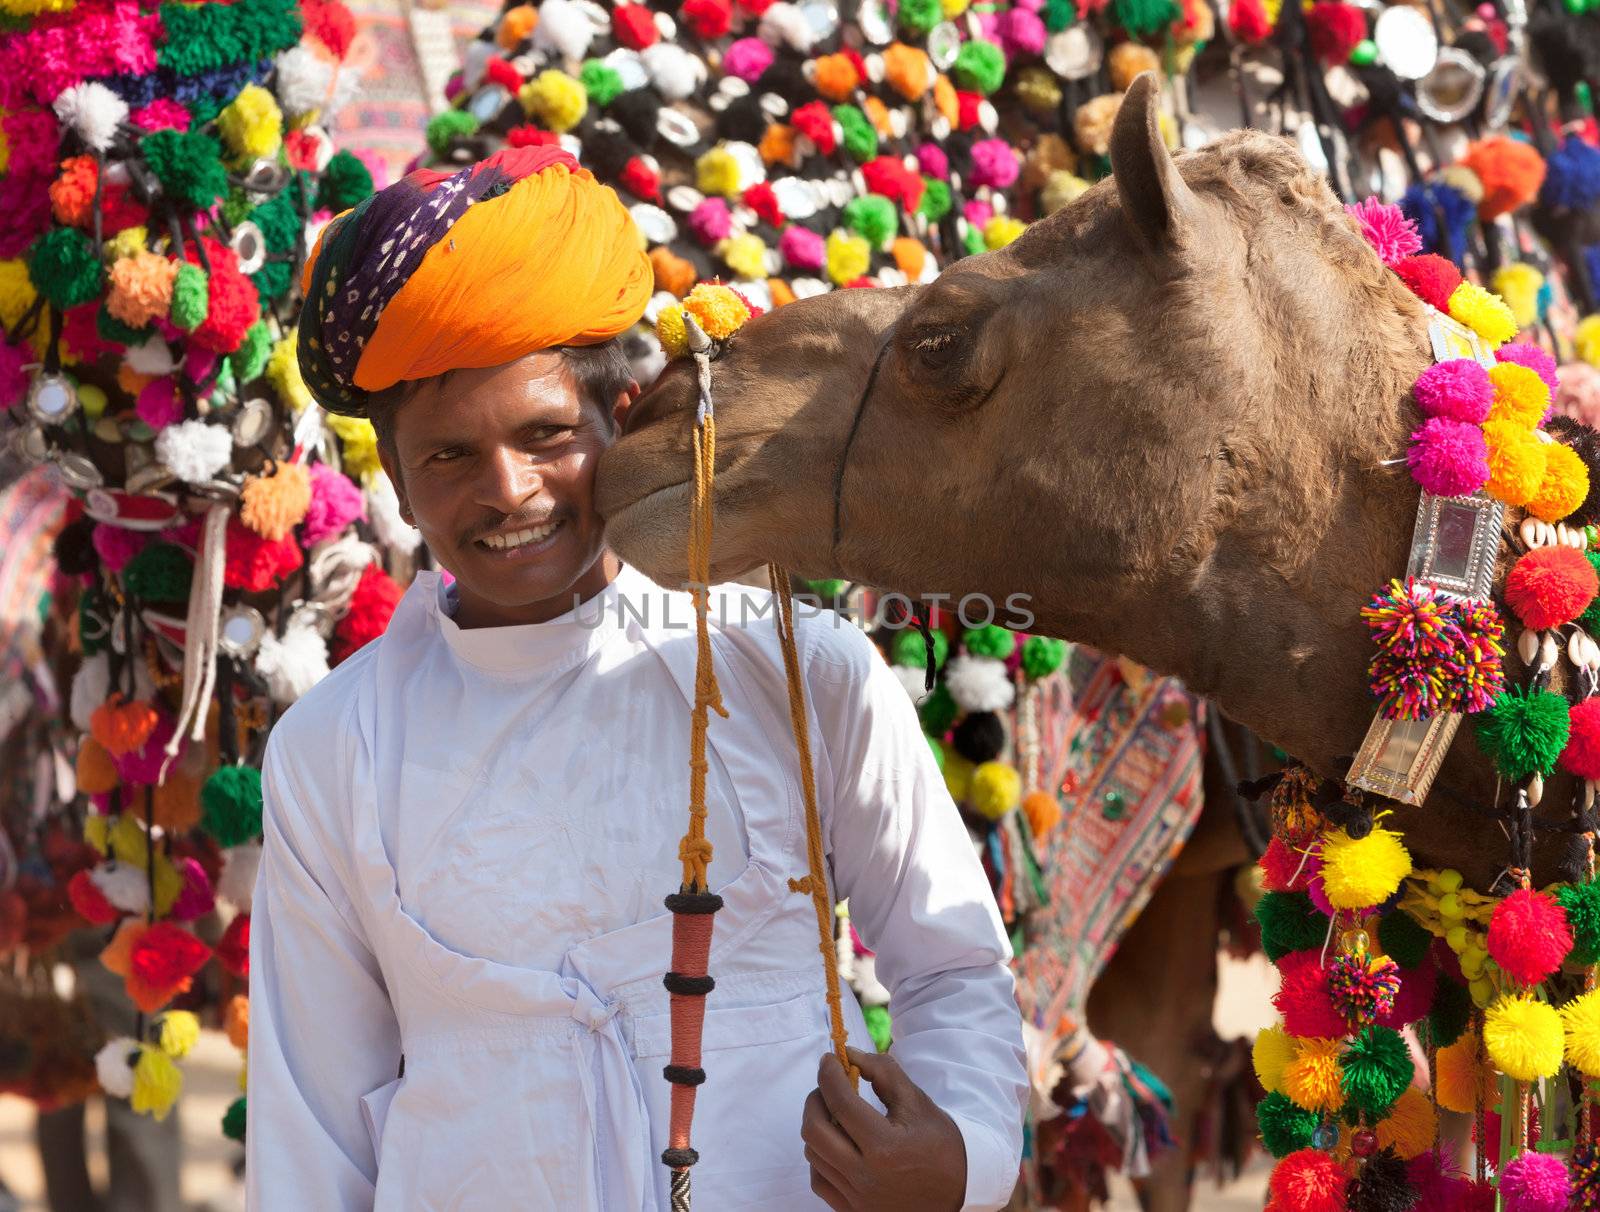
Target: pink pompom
<point x="1529" y="935"/>
<point x="994" y="163"/>
<point x="197" y="898"/>
<point x="1579" y="394"/>
<point x="199" y="364"/>
<point x="13" y="379"/>
<point x="1535" y="1182"/>
<point x="116" y="546"/>
<point x="711" y="221"/>
<point x="1392" y="236"/>
<point x="802" y="248"/>
<point x="335" y="503"/>
<point x="143" y="767"/>
<point x="932" y="160"/>
<point x="158" y="404"/>
<point x="1308" y="1180"/>
<point x="978" y="212"/>
<point x="161" y="114"/>
<point x="1304" y="999"/>
<point x="1449" y="458"/>
<point x="1458" y="389"/>
<point x="1022" y="33"/>
<point x="1315" y="889"/>
<point x="1524" y="353"/>
<point x="1582" y="754"/>
<point x="748" y="58"/>
<point x="1550" y="586"/>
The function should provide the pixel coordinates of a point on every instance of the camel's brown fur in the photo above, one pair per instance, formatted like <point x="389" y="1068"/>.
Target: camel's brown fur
<point x="1169" y="414"/>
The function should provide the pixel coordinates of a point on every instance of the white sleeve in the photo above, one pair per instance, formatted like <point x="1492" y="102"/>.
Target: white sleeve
<point x="920" y="899"/>
<point x="322" y="1030"/>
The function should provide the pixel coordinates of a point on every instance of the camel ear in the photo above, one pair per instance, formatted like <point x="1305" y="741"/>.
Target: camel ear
<point x="1155" y="199"/>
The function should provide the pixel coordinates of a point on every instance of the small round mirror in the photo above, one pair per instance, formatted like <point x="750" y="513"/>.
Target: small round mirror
<point x="1406" y="41"/>
<point x="52" y="399"/>
<point x="1075" y="53"/>
<point x="240" y="631"/>
<point x="252" y="423"/>
<point x="1453" y="88"/>
<point x="250" y="245"/>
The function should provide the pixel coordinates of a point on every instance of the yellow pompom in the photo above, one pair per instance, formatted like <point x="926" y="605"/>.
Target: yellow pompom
<point x="1565" y="484"/>
<point x="719" y="309"/>
<point x="996" y="789"/>
<point x="1586" y="339"/>
<point x="1581" y="1019"/>
<point x="180" y="1030"/>
<point x="849" y="257"/>
<point x="1483" y="312"/>
<point x="1411" y="1125"/>
<point x="1520" y="395"/>
<point x="670" y="331"/>
<point x="252" y="124"/>
<point x="745" y="254"/>
<point x="358" y="444"/>
<point x="156" y="1083"/>
<point x="96" y="831"/>
<point x="1360" y="873"/>
<point x="1001" y="230"/>
<point x="273" y="505"/>
<point x="717" y="172"/>
<point x="283" y="373"/>
<point x="1271" y="1054"/>
<point x="1519" y="285"/>
<point x="129" y="242"/>
<point x="1516" y="462"/>
<point x="1523" y="1037"/>
<point x="1460" y="1077"/>
<point x="953" y="8"/>
<point x="1061" y="188"/>
<point x="555" y="99"/>
<point x="16" y="291"/>
<point x="127" y="841"/>
<point x="1314" y="1079"/>
<point x="957" y="774"/>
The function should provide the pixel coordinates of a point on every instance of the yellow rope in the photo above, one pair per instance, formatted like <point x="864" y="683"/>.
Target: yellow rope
<point x="694" y="851"/>
<point x="815" y="881"/>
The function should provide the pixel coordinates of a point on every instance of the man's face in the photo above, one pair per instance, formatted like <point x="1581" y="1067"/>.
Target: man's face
<point x="496" y="468"/>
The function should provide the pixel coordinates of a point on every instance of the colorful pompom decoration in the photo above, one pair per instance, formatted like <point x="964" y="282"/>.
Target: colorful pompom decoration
<point x="1582" y="753"/>
<point x="1535" y="1182"/>
<point x="1363" y="987"/>
<point x="1580" y="1019"/>
<point x="1285" y="1127"/>
<point x="1550" y="586"/>
<point x="1308" y="1180"/>
<point x="1523" y="1037"/>
<point x="1303" y="998"/>
<point x="1524" y="732"/>
<point x="1313" y="1079"/>
<point x="1358" y="873"/>
<point x="1529" y="936"/>
<point x="1458" y="389"/>
<point x="1377" y="1069"/>
<point x="1448" y="458"/>
<point x="1435" y="653"/>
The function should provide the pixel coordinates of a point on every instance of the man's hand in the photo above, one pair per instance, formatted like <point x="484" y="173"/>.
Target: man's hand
<point x="864" y="1161"/>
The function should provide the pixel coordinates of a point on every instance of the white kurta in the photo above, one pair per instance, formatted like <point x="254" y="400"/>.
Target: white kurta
<point x="468" y="838"/>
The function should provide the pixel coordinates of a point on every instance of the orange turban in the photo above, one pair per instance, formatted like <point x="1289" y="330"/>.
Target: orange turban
<point x="443" y="271"/>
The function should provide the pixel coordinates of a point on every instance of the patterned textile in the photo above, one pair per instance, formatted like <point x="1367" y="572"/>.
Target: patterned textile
<point x="32" y="510"/>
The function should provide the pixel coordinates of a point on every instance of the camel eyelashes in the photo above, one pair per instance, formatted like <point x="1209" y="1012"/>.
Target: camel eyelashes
<point x="939" y="349"/>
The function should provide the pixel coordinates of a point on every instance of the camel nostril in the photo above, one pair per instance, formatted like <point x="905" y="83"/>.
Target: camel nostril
<point x="674" y="392"/>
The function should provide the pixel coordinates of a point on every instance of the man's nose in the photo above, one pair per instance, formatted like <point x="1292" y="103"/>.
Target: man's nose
<point x="510" y="479"/>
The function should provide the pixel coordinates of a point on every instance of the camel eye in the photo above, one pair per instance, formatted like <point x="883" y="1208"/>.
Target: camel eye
<point x="939" y="349"/>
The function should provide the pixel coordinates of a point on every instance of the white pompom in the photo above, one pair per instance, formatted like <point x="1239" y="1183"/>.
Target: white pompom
<point x="304" y="79"/>
<point x="94" y="111"/>
<point x="124" y="885"/>
<point x="979" y="683"/>
<point x="194" y="451"/>
<point x="153" y="358"/>
<point x="293" y="664"/>
<point x="90" y="686"/>
<point x="674" y="71"/>
<point x="913" y="680"/>
<point x="785" y="25"/>
<point x="563" y="27"/>
<point x="113" y="1065"/>
<point x="238" y="881"/>
<point x="383" y="511"/>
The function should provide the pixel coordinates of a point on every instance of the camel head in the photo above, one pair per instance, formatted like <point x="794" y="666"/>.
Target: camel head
<point x="1163" y="414"/>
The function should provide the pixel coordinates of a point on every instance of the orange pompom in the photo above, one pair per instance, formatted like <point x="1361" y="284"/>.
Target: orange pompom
<point x="97" y="773"/>
<point x="673" y="273"/>
<point x="782" y="293"/>
<point x="175" y="805"/>
<point x="122" y="727"/>
<point x="878" y="114"/>
<point x="777" y="145"/>
<point x="1510" y="170"/>
<point x="906" y="70"/>
<point x="236" y="1021"/>
<point x="910" y="256"/>
<point x="945" y="100"/>
<point x="131" y="381"/>
<point x="836" y="77"/>
<point x="515" y="25"/>
<point x="72" y="192"/>
<point x="1461" y="1077"/>
<point x="274" y="504"/>
<point x="1043" y="811"/>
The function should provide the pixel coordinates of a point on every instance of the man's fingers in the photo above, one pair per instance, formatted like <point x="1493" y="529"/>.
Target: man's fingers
<point x="860" y="1119"/>
<point x="838" y="1179"/>
<point x="821" y="1134"/>
<point x="828" y="1193"/>
<point x="888" y="1080"/>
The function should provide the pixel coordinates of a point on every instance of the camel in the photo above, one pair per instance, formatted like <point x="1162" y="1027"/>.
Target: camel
<point x="1172" y="414"/>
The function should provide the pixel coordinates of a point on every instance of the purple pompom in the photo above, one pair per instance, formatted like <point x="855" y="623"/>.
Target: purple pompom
<point x="1449" y="458"/>
<point x="1535" y="1182"/>
<point x="1458" y="389"/>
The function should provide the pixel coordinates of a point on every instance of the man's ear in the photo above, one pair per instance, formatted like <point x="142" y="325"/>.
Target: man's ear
<point x="391" y="468"/>
<point x="625" y="399"/>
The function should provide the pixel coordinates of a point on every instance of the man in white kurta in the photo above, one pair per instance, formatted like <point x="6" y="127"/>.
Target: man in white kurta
<point x="458" y="939"/>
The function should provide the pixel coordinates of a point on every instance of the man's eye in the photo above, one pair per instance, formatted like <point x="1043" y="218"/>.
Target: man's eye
<point x="448" y="455"/>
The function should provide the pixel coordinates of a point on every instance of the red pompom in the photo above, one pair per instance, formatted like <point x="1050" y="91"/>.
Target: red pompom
<point x="1282" y="870"/>
<point x="1336" y="29"/>
<point x="634" y="26"/>
<point x="1417" y="988"/>
<point x="529" y="135"/>
<point x="1529" y="935"/>
<point x="331" y="23"/>
<point x="1510" y="172"/>
<point x="1308" y="1180"/>
<point x="815" y="122"/>
<point x="640" y="180"/>
<point x="889" y="177"/>
<point x="371" y="606"/>
<point x="1248" y="21"/>
<point x="763" y="199"/>
<point x="167" y="955"/>
<point x="1304" y="999"/>
<point x="967" y="107"/>
<point x="89" y="901"/>
<point x="233" y="305"/>
<point x="255" y="564"/>
<point x="498" y="71"/>
<point x="1550" y="586"/>
<point x="233" y="948"/>
<point x="708" y="18"/>
<point x="1430" y="277"/>
<point x="1582" y="754"/>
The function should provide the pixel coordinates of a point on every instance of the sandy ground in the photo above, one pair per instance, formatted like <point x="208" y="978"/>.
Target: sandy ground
<point x="212" y="1073"/>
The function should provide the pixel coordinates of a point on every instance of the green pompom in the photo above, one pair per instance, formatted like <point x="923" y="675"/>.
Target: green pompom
<point x="1289" y="922"/>
<point x="1377" y="1069"/>
<point x="1141" y="17"/>
<point x="938" y="752"/>
<point x="871" y="217"/>
<point x="233" y="1120"/>
<point x="1059" y="14"/>
<point x="208" y="37"/>
<point x="936" y="200"/>
<point x="94" y="633"/>
<point x="1285" y="1126"/>
<point x="1042" y="656"/>
<point x="1524" y="732"/>
<point x="345" y="182"/>
<point x="829" y="587"/>
<point x="250" y="359"/>
<point x="280" y="224"/>
<point x="191" y="297"/>
<point x="273" y="280"/>
<point x="112" y="329"/>
<point x="972" y="241"/>
<point x="444" y="127"/>
<point x="161" y="572"/>
<point x="878" y="1026"/>
<point x="1450" y="1013"/>
<point x="909" y="648"/>
<point x="64" y="268"/>
<point x="1582" y="903"/>
<point x="991" y="640"/>
<point x="230" y="805"/>
<point x="189" y="166"/>
<point x="980" y="66"/>
<point x="236" y="207"/>
<point x="920" y="16"/>
<point x="1589" y="620"/>
<point x="938" y="712"/>
<point x="1404" y="939"/>
<point x="601" y="81"/>
<point x="860" y="140"/>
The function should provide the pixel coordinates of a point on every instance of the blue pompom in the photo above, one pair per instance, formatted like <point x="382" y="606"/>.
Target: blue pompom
<point x="1572" y="176"/>
<point x="1423" y="205"/>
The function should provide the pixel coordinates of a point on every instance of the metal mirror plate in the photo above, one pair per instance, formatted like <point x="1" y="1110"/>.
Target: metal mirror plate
<point x="1453" y="88"/>
<point x="148" y="479"/>
<point x="1455" y="542"/>
<point x="250" y="245"/>
<point x="677" y="128"/>
<point x="657" y="225"/>
<point x="1502" y="89"/>
<point x="252" y="423"/>
<point x="78" y="471"/>
<point x="1075" y="53"/>
<point x="795" y="197"/>
<point x="1399" y="758"/>
<point x="52" y="399"/>
<point x="1453" y="339"/>
<point x="944" y="44"/>
<point x="32" y="445"/>
<point x="684" y="198"/>
<point x="313" y="615"/>
<point x="876" y="22"/>
<point x="1406" y="41"/>
<point x="240" y="631"/>
<point x="487" y="103"/>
